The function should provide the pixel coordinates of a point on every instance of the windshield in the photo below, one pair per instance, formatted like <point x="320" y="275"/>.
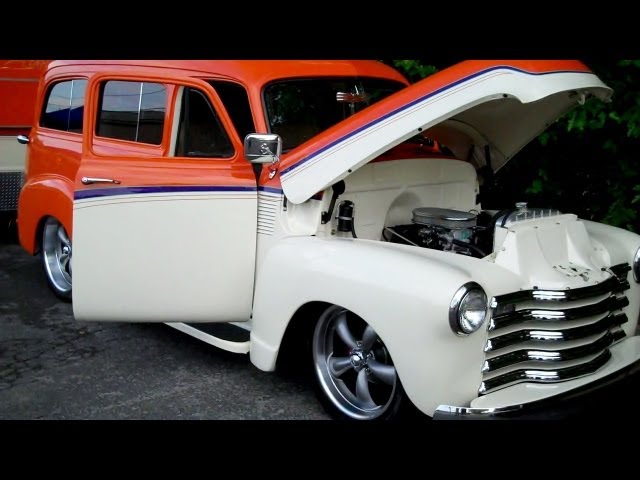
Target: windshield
<point x="300" y="109"/>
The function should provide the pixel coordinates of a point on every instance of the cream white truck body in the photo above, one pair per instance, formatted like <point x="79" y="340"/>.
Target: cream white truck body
<point x="276" y="261"/>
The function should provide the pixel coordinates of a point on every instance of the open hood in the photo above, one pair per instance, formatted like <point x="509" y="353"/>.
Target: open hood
<point x="472" y="105"/>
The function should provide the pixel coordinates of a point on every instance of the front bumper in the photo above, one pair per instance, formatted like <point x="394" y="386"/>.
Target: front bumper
<point x="606" y="394"/>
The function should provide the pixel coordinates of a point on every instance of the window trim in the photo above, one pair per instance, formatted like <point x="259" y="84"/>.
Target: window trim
<point x="176" y="104"/>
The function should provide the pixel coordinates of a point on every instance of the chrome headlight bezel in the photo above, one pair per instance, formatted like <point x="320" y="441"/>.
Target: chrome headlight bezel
<point x="470" y="288"/>
<point x="636" y="266"/>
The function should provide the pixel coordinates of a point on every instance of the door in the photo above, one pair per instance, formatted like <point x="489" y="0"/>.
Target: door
<point x="165" y="207"/>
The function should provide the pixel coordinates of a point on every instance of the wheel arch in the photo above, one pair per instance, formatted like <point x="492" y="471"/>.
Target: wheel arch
<point x="297" y="335"/>
<point x="49" y="196"/>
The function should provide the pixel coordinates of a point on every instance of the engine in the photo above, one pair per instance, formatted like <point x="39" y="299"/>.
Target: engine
<point x="440" y="229"/>
<point x="465" y="233"/>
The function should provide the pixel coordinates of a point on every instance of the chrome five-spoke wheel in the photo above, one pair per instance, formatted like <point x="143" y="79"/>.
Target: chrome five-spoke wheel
<point x="354" y="371"/>
<point x="56" y="257"/>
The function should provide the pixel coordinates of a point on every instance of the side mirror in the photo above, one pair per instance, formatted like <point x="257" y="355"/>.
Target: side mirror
<point x="262" y="147"/>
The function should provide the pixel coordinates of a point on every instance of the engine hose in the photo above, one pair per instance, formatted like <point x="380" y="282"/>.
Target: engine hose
<point x="470" y="247"/>
<point x="505" y="215"/>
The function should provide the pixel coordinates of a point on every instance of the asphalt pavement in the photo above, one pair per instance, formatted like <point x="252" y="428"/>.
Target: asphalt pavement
<point x="54" y="367"/>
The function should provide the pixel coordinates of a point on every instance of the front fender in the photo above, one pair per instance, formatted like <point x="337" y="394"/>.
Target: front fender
<point x="403" y="292"/>
<point x="43" y="196"/>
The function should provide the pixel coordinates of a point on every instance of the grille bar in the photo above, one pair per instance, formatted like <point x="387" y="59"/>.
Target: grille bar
<point x="543" y="335"/>
<point x="546" y="376"/>
<point x="521" y="316"/>
<point x="553" y="356"/>
<point x="611" y="285"/>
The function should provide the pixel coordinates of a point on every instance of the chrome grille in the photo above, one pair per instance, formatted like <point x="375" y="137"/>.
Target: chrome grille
<point x="547" y="336"/>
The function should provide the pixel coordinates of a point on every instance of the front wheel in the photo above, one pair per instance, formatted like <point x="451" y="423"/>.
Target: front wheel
<point x="355" y="376"/>
<point x="56" y="258"/>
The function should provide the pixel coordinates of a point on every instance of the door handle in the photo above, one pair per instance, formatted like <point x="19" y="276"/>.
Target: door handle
<point x="92" y="180"/>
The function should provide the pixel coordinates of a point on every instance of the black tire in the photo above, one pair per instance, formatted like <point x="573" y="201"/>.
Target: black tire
<point x="56" y="258"/>
<point x="355" y="379"/>
<point x="8" y="228"/>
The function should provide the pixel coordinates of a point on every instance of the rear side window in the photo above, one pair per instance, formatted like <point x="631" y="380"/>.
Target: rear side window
<point x="133" y="111"/>
<point x="64" y="107"/>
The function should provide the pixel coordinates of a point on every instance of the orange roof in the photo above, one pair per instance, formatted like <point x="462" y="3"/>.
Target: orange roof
<point x="251" y="72"/>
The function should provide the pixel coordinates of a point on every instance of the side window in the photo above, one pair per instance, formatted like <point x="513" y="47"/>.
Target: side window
<point x="64" y="107"/>
<point x="200" y="133"/>
<point x="132" y="111"/>
<point x="236" y="101"/>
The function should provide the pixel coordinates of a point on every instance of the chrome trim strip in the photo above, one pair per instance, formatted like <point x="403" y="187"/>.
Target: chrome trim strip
<point x="545" y="376"/>
<point x="636" y="266"/>
<point x="519" y="356"/>
<point x="520" y="316"/>
<point x="139" y="110"/>
<point x="541" y="335"/>
<point x="70" y="105"/>
<point x="611" y="285"/>
<point x="470" y="411"/>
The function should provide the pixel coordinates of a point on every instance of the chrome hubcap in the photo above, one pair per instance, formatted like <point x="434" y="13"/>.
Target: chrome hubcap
<point x="357" y="360"/>
<point x="358" y="376"/>
<point x="57" y="254"/>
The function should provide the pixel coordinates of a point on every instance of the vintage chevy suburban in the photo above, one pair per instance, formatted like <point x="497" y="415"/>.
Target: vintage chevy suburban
<point x="326" y="214"/>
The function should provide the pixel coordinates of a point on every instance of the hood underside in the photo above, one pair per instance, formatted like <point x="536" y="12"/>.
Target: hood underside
<point x="502" y="105"/>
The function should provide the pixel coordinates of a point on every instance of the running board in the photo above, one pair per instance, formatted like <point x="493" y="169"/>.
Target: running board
<point x="226" y="336"/>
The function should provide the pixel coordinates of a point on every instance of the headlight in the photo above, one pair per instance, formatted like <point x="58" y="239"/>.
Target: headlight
<point x="468" y="309"/>
<point x="636" y="266"/>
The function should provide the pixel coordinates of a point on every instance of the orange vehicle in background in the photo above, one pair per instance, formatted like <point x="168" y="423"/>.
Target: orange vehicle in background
<point x="18" y="91"/>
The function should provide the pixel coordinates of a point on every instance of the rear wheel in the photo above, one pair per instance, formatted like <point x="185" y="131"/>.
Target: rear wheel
<point x="56" y="258"/>
<point x="354" y="373"/>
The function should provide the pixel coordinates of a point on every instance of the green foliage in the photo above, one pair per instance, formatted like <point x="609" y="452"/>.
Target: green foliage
<point x="595" y="148"/>
<point x="586" y="163"/>
<point x="414" y="70"/>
